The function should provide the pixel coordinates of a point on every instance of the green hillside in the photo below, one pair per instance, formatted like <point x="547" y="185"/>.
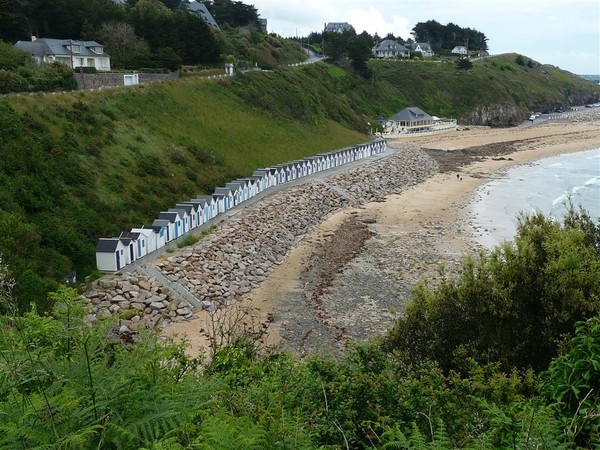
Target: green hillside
<point x="441" y="89"/>
<point x="78" y="166"/>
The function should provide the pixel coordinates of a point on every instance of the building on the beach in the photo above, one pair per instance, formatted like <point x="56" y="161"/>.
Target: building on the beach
<point x="413" y="120"/>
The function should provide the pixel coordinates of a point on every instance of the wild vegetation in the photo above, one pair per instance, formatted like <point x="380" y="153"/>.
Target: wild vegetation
<point x="64" y="384"/>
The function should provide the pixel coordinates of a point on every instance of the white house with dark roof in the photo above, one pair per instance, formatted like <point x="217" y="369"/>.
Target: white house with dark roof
<point x="389" y="49"/>
<point x="71" y="52"/>
<point x="460" y="50"/>
<point x="175" y="220"/>
<point x="110" y="254"/>
<point x="408" y="120"/>
<point x="423" y="48"/>
<point x="201" y="9"/>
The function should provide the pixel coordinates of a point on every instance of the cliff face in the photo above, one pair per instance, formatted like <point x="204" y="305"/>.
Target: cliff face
<point x="494" y="116"/>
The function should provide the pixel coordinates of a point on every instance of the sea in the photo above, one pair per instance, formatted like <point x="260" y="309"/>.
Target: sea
<point x="543" y="185"/>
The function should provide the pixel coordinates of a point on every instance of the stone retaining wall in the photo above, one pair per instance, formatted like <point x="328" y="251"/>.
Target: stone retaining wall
<point x="87" y="81"/>
<point x="241" y="252"/>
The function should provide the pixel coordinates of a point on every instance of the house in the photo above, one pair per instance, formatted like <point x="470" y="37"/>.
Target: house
<point x="423" y="48"/>
<point x="337" y="27"/>
<point x="71" y="52"/>
<point x="110" y="254"/>
<point x="460" y="50"/>
<point x="224" y="198"/>
<point x="390" y="49"/>
<point x="410" y="119"/>
<point x="201" y="9"/>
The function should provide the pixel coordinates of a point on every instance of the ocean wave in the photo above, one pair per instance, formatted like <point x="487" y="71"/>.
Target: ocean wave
<point x="595" y="181"/>
<point x="559" y="200"/>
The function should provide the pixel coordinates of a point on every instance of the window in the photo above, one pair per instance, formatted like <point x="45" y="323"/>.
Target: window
<point x="98" y="50"/>
<point x="162" y="233"/>
<point x="121" y="252"/>
<point x="75" y="48"/>
<point x="143" y="244"/>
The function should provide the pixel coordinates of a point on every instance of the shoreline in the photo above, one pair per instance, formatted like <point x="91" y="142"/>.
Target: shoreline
<point x="412" y="233"/>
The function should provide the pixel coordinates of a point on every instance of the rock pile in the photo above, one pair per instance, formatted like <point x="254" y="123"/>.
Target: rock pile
<point x="241" y="252"/>
<point x="141" y="300"/>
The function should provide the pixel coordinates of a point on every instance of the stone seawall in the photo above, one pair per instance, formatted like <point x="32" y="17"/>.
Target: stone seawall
<point x="240" y="254"/>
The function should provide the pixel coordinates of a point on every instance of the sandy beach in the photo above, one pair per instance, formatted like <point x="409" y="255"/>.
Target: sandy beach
<point x="350" y="279"/>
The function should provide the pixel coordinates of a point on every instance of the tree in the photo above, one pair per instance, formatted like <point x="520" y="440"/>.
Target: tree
<point x="125" y="47"/>
<point x="464" y="63"/>
<point x="233" y="13"/>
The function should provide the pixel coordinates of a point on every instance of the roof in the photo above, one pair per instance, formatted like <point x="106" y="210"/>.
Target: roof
<point x="158" y="224"/>
<point x="200" y="8"/>
<point x="130" y="235"/>
<point x="389" y="45"/>
<point x="410" y="114"/>
<point x="107" y="245"/>
<point x="187" y="206"/>
<point x="423" y="45"/>
<point x="58" y="47"/>
<point x="223" y="191"/>
<point x="168" y="215"/>
<point x="338" y="27"/>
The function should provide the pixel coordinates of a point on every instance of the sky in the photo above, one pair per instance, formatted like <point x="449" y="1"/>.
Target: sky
<point x="564" y="33"/>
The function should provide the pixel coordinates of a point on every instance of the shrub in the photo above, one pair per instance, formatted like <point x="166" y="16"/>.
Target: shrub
<point x="12" y="82"/>
<point x="511" y="305"/>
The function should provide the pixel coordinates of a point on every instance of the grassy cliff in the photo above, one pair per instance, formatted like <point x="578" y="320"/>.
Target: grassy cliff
<point x="78" y="166"/>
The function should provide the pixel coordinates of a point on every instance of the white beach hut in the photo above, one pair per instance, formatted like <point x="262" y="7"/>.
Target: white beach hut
<point x="110" y="254"/>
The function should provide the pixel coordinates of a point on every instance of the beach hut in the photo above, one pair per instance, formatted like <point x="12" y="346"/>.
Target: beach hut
<point x="162" y="230"/>
<point x="192" y="214"/>
<point x="237" y="191"/>
<point x="175" y="219"/>
<point x="147" y="240"/>
<point x="130" y="248"/>
<point x="207" y="203"/>
<point x="139" y="244"/>
<point x="184" y="218"/>
<point x="224" y="199"/>
<point x="197" y="211"/>
<point x="264" y="177"/>
<point x="110" y="254"/>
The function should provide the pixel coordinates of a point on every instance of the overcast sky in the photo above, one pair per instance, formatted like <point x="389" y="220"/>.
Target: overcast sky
<point x="564" y="33"/>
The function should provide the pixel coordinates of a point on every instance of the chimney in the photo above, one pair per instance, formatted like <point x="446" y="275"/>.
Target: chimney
<point x="33" y="39"/>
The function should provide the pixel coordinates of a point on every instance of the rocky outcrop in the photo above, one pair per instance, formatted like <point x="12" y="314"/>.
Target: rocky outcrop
<point x="495" y="116"/>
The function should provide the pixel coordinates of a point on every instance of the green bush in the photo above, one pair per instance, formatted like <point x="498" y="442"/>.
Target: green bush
<point x="12" y="82"/>
<point x="512" y="305"/>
